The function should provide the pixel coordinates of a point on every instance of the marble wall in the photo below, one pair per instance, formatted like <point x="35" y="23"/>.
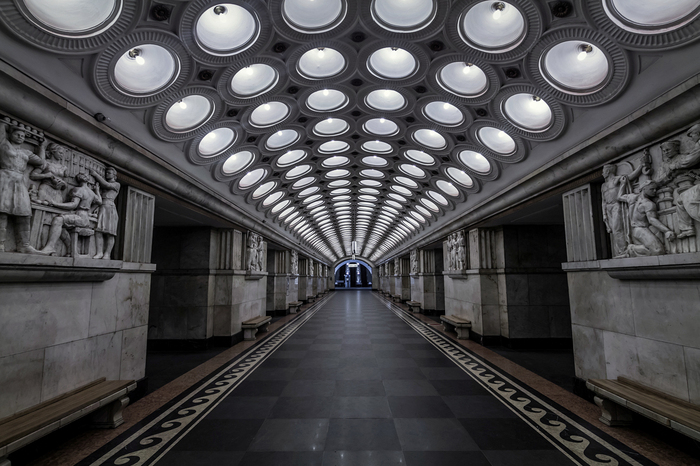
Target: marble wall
<point x="56" y="337"/>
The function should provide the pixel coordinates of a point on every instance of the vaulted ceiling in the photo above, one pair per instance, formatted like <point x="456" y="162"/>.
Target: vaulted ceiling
<point x="347" y="122"/>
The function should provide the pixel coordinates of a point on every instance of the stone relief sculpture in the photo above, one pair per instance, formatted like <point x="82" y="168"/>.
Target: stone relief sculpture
<point x="294" y="263"/>
<point x="397" y="266"/>
<point x="456" y="251"/>
<point x="254" y="252"/>
<point x="414" y="261"/>
<point x="651" y="203"/>
<point x="51" y="193"/>
<point x="311" y="268"/>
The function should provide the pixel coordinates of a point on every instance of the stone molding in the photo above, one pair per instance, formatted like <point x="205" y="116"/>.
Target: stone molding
<point x="29" y="268"/>
<point x="668" y="267"/>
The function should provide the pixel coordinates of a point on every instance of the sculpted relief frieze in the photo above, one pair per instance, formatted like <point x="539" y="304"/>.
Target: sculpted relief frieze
<point x="651" y="200"/>
<point x="255" y="253"/>
<point x="414" y="261"/>
<point x="456" y="251"/>
<point x="294" y="263"/>
<point x="59" y="201"/>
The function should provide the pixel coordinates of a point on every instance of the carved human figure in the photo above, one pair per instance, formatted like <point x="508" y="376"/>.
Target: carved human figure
<point x="311" y="268"/>
<point x="51" y="175"/>
<point x="643" y="215"/>
<point x="80" y="205"/>
<point x="461" y="256"/>
<point x="687" y="203"/>
<point x="691" y="158"/>
<point x="414" y="261"/>
<point x="295" y="263"/>
<point x="259" y="245"/>
<point x="451" y="252"/>
<point x="14" y="189"/>
<point x="107" y="216"/>
<point x="252" y="252"/>
<point x="614" y="211"/>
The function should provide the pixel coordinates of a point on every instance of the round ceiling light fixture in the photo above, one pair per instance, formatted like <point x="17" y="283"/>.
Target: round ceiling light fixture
<point x="321" y="63"/>
<point x="338" y="183"/>
<point x="188" y="113"/>
<point x="418" y="156"/>
<point x="463" y="79"/>
<point x="460" y="176"/>
<point x="290" y="158"/>
<point x="226" y="29"/>
<point x="651" y="16"/>
<point x="335" y="161"/>
<point x="313" y="16"/>
<point x="392" y="63"/>
<point x="145" y="70"/>
<point x="497" y="140"/>
<point x="444" y="113"/>
<point x="302" y="183"/>
<point x="331" y="127"/>
<point x="252" y="178"/>
<point x="528" y="112"/>
<point x="281" y="139"/>
<point x="237" y="162"/>
<point x="73" y="18"/>
<point x="412" y="170"/>
<point x="493" y="27"/>
<point x="430" y="138"/>
<point x="575" y="67"/>
<point x="385" y="100"/>
<point x="333" y="147"/>
<point x="263" y="189"/>
<point x="403" y="15"/>
<point x="269" y="114"/>
<point x="377" y="147"/>
<point x="380" y="127"/>
<point x="374" y="161"/>
<point x="406" y="182"/>
<point x="253" y="80"/>
<point x="216" y="142"/>
<point x="327" y="100"/>
<point x="475" y="161"/>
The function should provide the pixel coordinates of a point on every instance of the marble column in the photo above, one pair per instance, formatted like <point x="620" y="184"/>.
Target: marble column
<point x="278" y="282"/>
<point x="312" y="279"/>
<point x="402" y="268"/>
<point x="427" y="281"/>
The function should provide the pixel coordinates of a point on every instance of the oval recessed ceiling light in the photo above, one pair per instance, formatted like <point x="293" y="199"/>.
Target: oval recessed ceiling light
<point x="331" y="127"/>
<point x="412" y="170"/>
<point x="303" y="182"/>
<point x="272" y="198"/>
<point x="216" y="142"/>
<point x="371" y="183"/>
<point x="298" y="171"/>
<point x="430" y="138"/>
<point x="321" y="63"/>
<point x="401" y="190"/>
<point x="367" y="197"/>
<point x="430" y="204"/>
<point x="447" y="188"/>
<point x="252" y="178"/>
<point x="406" y="182"/>
<point x="494" y="27"/>
<point x="281" y="139"/>
<point x="290" y="158"/>
<point x="377" y="147"/>
<point x="575" y="67"/>
<point x="397" y="197"/>
<point x="312" y="16"/>
<point x="269" y="114"/>
<point x="528" y="112"/>
<point x="338" y="183"/>
<point x="392" y="63"/>
<point x="403" y="15"/>
<point x="226" y="29"/>
<point x="444" y="113"/>
<point x="145" y="69"/>
<point x="74" y="17"/>
<point x="497" y="140"/>
<point x="253" y="80"/>
<point x="280" y="206"/>
<point x="335" y="161"/>
<point x="439" y="198"/>
<point x="375" y="161"/>
<point x="381" y="127"/>
<point x="425" y="212"/>
<point x="326" y="100"/>
<point x="463" y="79"/>
<point x="644" y="16"/>
<point x="333" y="147"/>
<point x="188" y="113"/>
<point x="264" y="189"/>
<point x="311" y="199"/>
<point x="385" y="100"/>
<point x="371" y="191"/>
<point x="372" y="173"/>
<point x="475" y="161"/>
<point x="460" y="176"/>
<point x="237" y="162"/>
<point x="287" y="212"/>
<point x="309" y="191"/>
<point x="337" y="173"/>
<point x="418" y="216"/>
<point x="418" y="156"/>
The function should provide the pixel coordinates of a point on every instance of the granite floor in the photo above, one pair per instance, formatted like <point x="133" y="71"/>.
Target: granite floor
<point x="356" y="385"/>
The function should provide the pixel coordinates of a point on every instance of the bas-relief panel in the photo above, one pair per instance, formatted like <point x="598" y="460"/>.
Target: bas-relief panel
<point x="651" y="200"/>
<point x="60" y="201"/>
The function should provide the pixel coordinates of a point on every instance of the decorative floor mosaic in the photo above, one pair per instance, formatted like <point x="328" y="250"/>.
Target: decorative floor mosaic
<point x="348" y="382"/>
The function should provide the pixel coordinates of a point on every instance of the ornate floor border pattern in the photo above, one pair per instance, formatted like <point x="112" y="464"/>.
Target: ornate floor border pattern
<point x="581" y="442"/>
<point x="153" y="437"/>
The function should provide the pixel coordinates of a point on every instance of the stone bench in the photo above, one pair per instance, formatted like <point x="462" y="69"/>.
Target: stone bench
<point x="396" y="298"/>
<point x="310" y="299"/>
<point x="413" y="306"/>
<point x="103" y="399"/>
<point x="295" y="306"/>
<point x="617" y="399"/>
<point x="251" y="326"/>
<point x="459" y="325"/>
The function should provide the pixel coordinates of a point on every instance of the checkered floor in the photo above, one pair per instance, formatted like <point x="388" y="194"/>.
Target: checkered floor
<point x="356" y="385"/>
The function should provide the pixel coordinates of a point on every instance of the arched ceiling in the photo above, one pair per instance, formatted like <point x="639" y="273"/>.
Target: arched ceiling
<point x="345" y="120"/>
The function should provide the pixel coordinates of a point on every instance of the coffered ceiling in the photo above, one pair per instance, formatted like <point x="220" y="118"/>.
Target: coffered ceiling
<point x="342" y="121"/>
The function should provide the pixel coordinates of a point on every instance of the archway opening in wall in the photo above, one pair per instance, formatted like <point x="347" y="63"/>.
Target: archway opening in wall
<point x="353" y="274"/>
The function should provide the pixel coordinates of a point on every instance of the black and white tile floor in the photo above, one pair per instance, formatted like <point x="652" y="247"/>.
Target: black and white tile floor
<point x="356" y="381"/>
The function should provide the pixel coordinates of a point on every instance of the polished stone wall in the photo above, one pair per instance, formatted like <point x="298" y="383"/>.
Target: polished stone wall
<point x="56" y="337"/>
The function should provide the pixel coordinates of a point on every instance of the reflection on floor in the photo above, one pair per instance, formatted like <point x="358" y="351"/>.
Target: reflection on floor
<point x="557" y="366"/>
<point x="355" y="382"/>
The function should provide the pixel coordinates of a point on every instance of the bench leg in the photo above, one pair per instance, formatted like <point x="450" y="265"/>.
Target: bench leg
<point x="264" y="327"/>
<point x="462" y="333"/>
<point x="4" y="461"/>
<point x="447" y="327"/>
<point x="110" y="416"/>
<point x="249" y="334"/>
<point x="612" y="413"/>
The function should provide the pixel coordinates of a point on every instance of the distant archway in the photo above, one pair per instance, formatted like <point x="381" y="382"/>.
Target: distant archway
<point x="360" y="275"/>
<point x="369" y="267"/>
